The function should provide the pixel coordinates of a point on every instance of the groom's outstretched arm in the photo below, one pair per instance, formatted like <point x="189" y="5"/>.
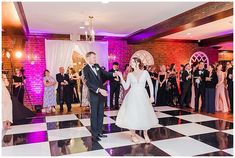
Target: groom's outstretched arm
<point x="108" y="75"/>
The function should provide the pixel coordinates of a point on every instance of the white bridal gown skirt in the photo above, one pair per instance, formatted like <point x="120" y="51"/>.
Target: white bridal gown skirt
<point x="136" y="111"/>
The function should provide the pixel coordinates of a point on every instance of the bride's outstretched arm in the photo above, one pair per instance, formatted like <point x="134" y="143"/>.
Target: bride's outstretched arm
<point x="150" y="83"/>
<point x="125" y="84"/>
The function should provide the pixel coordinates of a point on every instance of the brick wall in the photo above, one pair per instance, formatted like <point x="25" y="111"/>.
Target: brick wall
<point x="118" y="50"/>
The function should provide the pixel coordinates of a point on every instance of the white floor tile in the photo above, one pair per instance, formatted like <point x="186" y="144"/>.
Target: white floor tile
<point x="36" y="149"/>
<point x="190" y="129"/>
<point x="184" y="146"/>
<point x="229" y="151"/>
<point x="229" y="131"/>
<point x="61" y="118"/>
<point x="27" y="128"/>
<point x="197" y="118"/>
<point x="67" y="133"/>
<point x="101" y="152"/>
<point x="162" y="115"/>
<point x="87" y="122"/>
<point x="117" y="140"/>
<point x="111" y="113"/>
<point x="165" y="108"/>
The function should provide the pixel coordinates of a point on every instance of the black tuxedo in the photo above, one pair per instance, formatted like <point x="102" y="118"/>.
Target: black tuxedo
<point x="186" y="88"/>
<point x="64" y="92"/>
<point x="230" y="86"/>
<point x="94" y="82"/>
<point x="200" y="88"/>
<point x="114" y="90"/>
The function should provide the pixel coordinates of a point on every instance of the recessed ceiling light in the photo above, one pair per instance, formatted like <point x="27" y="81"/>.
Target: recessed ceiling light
<point x="189" y="33"/>
<point x="82" y="27"/>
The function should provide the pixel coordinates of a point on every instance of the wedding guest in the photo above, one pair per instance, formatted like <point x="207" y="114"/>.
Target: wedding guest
<point x="161" y="95"/>
<point x="199" y="83"/>
<point x="114" y="88"/>
<point x="74" y="77"/>
<point x="7" y="112"/>
<point x="64" y="90"/>
<point x="220" y="98"/>
<point x="230" y="83"/>
<point x="186" y="86"/>
<point x="180" y="77"/>
<point x="174" y="93"/>
<point x="154" y="78"/>
<point x="192" y="103"/>
<point x="105" y="84"/>
<point x="210" y="84"/>
<point x="84" y="97"/>
<point x="49" y="97"/>
<point x="19" y="81"/>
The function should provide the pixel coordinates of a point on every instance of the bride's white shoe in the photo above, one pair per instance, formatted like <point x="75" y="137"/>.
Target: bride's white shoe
<point x="147" y="140"/>
<point x="134" y="139"/>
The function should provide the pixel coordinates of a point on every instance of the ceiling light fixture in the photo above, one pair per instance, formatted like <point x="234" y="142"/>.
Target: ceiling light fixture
<point x="105" y="1"/>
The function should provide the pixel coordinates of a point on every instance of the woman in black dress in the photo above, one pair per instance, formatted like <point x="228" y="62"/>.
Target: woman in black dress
<point x="210" y="84"/>
<point x="161" y="94"/>
<point x="74" y="77"/>
<point x="18" y="85"/>
<point x="174" y="93"/>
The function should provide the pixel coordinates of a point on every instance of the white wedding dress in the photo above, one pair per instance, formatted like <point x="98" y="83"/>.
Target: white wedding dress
<point x="136" y="111"/>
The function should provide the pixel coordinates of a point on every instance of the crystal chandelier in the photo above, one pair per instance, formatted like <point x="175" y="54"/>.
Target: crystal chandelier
<point x="89" y="32"/>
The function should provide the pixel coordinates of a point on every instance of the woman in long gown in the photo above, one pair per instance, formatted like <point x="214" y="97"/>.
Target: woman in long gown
<point x="136" y="112"/>
<point x="220" y="97"/>
<point x="161" y="94"/>
<point x="6" y="104"/>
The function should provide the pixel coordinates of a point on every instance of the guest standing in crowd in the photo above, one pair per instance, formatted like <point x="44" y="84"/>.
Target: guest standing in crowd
<point x="180" y="77"/>
<point x="19" y="81"/>
<point x="7" y="117"/>
<point x="74" y="77"/>
<point x="64" y="90"/>
<point x="192" y="103"/>
<point x="154" y="78"/>
<point x="220" y="98"/>
<point x="161" y="95"/>
<point x="186" y="87"/>
<point x="114" y="88"/>
<point x="230" y="84"/>
<point x="174" y="93"/>
<point x="199" y="83"/>
<point x="84" y="95"/>
<point x="49" y="97"/>
<point x="210" y="84"/>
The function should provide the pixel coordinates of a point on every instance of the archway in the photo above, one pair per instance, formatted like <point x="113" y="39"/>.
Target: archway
<point x="145" y="57"/>
<point x="198" y="57"/>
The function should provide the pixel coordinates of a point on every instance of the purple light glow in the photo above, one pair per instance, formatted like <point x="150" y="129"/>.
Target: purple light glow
<point x="36" y="137"/>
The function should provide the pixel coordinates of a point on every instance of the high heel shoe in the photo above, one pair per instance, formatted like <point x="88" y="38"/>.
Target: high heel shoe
<point x="134" y="139"/>
<point x="147" y="140"/>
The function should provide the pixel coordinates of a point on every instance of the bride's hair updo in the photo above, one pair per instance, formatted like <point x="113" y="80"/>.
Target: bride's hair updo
<point x="138" y="60"/>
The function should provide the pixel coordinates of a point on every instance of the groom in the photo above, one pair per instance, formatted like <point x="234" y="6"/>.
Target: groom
<point x="97" y="93"/>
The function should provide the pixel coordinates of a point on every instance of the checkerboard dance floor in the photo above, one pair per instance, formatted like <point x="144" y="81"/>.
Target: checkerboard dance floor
<point x="179" y="133"/>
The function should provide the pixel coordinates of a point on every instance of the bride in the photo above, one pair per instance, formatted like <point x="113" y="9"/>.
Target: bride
<point x="136" y="112"/>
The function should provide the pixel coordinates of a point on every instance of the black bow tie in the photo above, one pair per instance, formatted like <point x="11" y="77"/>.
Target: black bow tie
<point x="93" y="66"/>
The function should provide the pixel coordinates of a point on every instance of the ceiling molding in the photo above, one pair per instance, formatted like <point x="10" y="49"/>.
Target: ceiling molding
<point x="216" y="40"/>
<point x="201" y="15"/>
<point x="23" y="20"/>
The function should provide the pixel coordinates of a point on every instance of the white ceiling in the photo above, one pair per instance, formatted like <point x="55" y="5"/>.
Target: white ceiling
<point x="115" y="19"/>
<point x="216" y="28"/>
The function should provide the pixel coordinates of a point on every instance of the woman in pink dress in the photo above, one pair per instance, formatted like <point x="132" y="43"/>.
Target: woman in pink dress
<point x="220" y="97"/>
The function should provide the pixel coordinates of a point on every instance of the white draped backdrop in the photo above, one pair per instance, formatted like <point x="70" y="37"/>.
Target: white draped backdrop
<point x="59" y="53"/>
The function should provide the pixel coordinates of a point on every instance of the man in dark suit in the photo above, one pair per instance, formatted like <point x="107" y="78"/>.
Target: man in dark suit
<point x="186" y="86"/>
<point x="199" y="83"/>
<point x="230" y="84"/>
<point x="114" y="88"/>
<point x="97" y="93"/>
<point x="64" y="90"/>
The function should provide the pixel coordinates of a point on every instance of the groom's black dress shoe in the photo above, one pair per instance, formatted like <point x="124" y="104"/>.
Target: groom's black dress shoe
<point x="95" y="139"/>
<point x="102" y="136"/>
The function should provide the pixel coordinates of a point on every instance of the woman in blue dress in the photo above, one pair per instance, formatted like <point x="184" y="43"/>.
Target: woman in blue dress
<point x="49" y="98"/>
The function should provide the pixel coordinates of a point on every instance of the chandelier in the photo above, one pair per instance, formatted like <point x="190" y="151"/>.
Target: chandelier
<point x="89" y="31"/>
